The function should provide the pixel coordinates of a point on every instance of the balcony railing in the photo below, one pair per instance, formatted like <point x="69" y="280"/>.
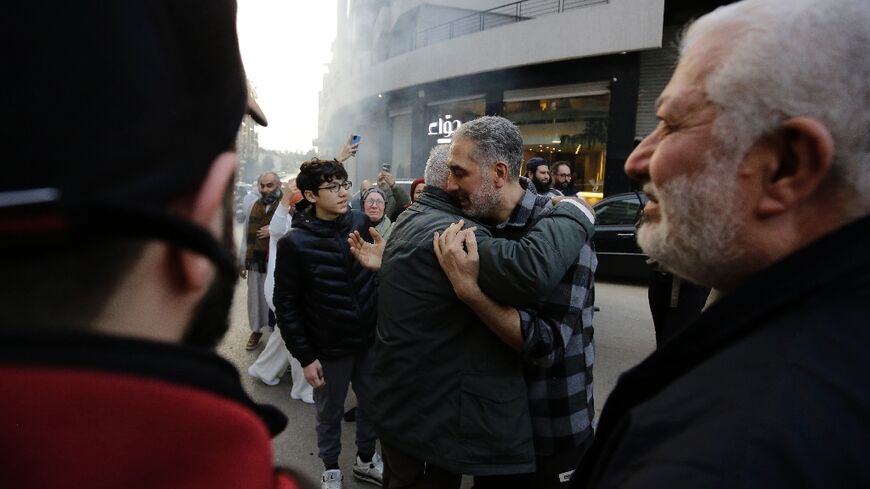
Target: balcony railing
<point x="495" y="17"/>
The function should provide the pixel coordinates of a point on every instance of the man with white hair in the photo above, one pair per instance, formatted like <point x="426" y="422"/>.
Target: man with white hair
<point x="433" y="355"/>
<point x="759" y="180"/>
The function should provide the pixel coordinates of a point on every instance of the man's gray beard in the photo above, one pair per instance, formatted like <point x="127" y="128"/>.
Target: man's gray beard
<point x="272" y="197"/>
<point x="484" y="203"/>
<point x="698" y="233"/>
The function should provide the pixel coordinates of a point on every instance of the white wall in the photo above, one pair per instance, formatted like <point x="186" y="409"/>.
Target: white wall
<point x="620" y="25"/>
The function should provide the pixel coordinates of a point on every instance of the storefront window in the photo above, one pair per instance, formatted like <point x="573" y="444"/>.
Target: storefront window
<point x="401" y="153"/>
<point x="444" y="118"/>
<point x="565" y="126"/>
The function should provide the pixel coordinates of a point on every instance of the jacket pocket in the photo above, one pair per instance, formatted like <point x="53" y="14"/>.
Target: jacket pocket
<point x="494" y="424"/>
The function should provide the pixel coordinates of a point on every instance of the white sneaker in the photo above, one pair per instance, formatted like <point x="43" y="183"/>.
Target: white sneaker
<point x="369" y="472"/>
<point x="331" y="479"/>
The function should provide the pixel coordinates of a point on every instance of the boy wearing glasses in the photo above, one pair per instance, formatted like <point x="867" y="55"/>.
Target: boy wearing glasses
<point x="326" y="305"/>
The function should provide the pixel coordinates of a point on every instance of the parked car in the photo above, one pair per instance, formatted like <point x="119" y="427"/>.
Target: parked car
<point x="615" y="237"/>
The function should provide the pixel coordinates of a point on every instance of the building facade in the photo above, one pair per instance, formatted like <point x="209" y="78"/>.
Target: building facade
<point x="579" y="77"/>
<point x="248" y="146"/>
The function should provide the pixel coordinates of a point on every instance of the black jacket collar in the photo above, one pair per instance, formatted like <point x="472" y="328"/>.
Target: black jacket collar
<point x="791" y="281"/>
<point x="308" y="220"/>
<point x="437" y="198"/>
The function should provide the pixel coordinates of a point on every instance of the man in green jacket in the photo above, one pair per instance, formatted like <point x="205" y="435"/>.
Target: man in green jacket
<point x="450" y="397"/>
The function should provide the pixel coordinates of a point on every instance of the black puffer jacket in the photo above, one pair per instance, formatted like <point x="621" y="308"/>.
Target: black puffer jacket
<point x="325" y="302"/>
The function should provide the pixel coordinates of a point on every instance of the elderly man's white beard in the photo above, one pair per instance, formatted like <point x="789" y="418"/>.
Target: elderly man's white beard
<point x="699" y="229"/>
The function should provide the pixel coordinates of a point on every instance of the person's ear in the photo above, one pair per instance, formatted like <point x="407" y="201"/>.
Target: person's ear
<point x="799" y="161"/>
<point x="500" y="174"/>
<point x="206" y="211"/>
<point x="309" y="196"/>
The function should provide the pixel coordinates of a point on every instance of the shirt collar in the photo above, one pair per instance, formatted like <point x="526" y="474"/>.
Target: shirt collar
<point x="530" y="206"/>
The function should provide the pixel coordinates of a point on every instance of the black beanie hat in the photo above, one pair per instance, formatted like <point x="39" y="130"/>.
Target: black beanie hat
<point x="113" y="106"/>
<point x="533" y="163"/>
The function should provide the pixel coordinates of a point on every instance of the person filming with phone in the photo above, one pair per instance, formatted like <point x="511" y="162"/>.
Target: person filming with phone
<point x="397" y="198"/>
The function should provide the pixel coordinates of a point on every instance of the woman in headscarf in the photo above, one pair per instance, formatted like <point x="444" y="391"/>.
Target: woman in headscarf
<point x="417" y="187"/>
<point x="374" y="204"/>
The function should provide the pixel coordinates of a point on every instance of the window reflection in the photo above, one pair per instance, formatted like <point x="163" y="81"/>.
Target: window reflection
<point x="572" y="129"/>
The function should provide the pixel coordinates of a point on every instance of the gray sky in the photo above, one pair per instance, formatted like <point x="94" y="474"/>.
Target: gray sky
<point x="285" y="45"/>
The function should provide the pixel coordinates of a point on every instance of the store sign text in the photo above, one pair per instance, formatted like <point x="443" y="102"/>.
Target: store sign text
<point x="444" y="128"/>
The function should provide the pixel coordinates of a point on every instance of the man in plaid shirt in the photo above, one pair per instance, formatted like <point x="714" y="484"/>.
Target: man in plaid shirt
<point x="556" y="339"/>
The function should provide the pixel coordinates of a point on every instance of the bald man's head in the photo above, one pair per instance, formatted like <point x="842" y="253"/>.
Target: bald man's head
<point x="269" y="184"/>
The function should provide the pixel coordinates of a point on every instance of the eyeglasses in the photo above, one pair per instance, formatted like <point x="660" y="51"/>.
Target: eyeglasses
<point x="374" y="203"/>
<point x="335" y="186"/>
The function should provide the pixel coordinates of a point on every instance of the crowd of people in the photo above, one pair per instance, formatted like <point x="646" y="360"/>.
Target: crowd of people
<point x="461" y="315"/>
<point x="327" y="307"/>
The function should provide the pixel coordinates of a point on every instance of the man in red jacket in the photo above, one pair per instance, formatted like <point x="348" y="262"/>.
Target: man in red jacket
<point x="115" y="224"/>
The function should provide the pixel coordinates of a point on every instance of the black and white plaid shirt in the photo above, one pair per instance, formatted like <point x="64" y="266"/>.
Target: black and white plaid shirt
<point x="559" y="350"/>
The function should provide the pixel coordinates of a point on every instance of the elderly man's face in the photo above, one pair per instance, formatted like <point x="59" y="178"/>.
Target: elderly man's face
<point x="468" y="183"/>
<point x="268" y="184"/>
<point x="692" y="222"/>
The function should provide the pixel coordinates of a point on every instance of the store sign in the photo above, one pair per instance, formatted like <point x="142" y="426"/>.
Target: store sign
<point x="444" y="128"/>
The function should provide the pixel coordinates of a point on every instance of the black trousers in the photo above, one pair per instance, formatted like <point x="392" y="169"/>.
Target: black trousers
<point x="402" y="471"/>
<point x="513" y="481"/>
<point x="555" y="471"/>
<point x="552" y="471"/>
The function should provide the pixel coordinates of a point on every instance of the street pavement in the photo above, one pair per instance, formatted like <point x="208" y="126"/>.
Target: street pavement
<point x="623" y="336"/>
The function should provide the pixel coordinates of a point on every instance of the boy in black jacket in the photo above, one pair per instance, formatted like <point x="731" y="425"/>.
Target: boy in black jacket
<point x="326" y="305"/>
